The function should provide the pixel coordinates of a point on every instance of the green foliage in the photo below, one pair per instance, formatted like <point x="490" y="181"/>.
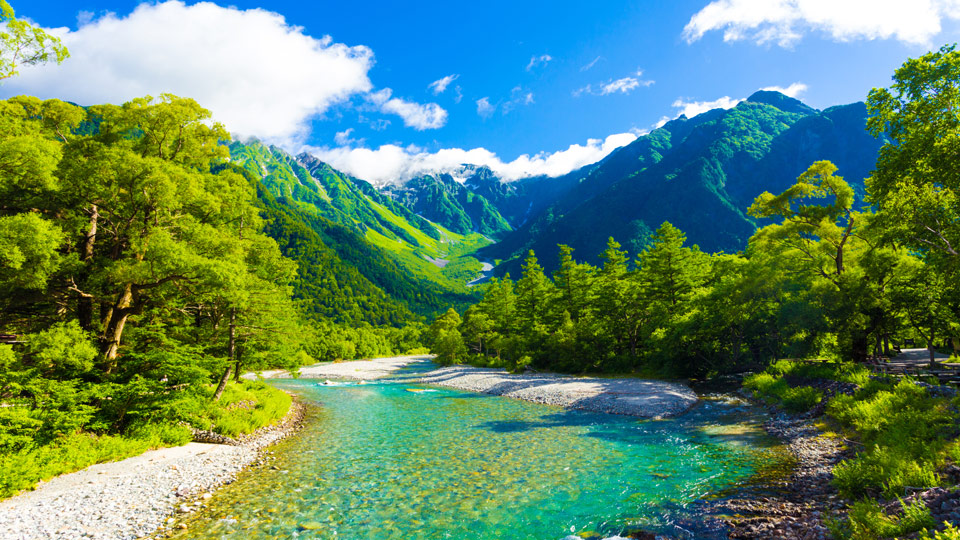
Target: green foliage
<point x="445" y="339"/>
<point x="24" y="44"/>
<point x="866" y="520"/>
<point x="244" y="408"/>
<point x="23" y="468"/>
<point x="950" y="532"/>
<point x="905" y="433"/>
<point x="916" y="183"/>
<point x="776" y="390"/>
<point x="883" y="470"/>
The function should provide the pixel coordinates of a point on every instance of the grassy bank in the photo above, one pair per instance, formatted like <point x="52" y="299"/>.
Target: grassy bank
<point x="903" y="437"/>
<point x="243" y="408"/>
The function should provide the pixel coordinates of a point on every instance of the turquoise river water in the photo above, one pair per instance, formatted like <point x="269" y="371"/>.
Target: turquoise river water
<point x="378" y="461"/>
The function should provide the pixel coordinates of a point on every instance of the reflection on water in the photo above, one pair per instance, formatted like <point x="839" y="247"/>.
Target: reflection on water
<point x="378" y="461"/>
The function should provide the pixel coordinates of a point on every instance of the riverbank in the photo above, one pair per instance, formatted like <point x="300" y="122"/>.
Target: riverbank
<point x="134" y="497"/>
<point x="795" y="507"/>
<point x="367" y="370"/>
<point x="633" y="397"/>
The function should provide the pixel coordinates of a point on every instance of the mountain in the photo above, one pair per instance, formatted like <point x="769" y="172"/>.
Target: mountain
<point x="701" y="174"/>
<point x="473" y="198"/>
<point x="443" y="199"/>
<point x="363" y="256"/>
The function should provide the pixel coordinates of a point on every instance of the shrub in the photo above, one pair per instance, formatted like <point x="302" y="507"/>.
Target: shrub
<point x="244" y="408"/>
<point x="773" y="389"/>
<point x="949" y="533"/>
<point x="883" y="469"/>
<point x="801" y="398"/>
<point x="867" y="521"/>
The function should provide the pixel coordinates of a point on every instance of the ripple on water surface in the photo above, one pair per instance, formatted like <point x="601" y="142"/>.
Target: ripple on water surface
<point x="379" y="461"/>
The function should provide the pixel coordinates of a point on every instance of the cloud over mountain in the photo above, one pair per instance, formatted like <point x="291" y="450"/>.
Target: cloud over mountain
<point x="391" y="163"/>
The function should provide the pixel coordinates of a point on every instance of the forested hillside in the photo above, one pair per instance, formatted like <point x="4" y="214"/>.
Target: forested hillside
<point x="699" y="174"/>
<point x="414" y="261"/>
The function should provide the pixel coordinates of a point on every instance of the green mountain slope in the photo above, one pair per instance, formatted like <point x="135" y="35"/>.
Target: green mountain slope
<point x="443" y="200"/>
<point x="344" y="278"/>
<point x="413" y="261"/>
<point x="700" y="174"/>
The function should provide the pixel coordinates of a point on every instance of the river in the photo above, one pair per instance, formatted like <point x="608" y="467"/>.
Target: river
<point x="393" y="460"/>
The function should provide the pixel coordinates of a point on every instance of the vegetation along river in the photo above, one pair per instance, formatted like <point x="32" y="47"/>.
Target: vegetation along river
<point x="382" y="461"/>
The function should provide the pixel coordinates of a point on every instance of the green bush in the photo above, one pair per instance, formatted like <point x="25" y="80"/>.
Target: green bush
<point x="801" y="398"/>
<point x="243" y="408"/>
<point x="22" y="470"/>
<point x="905" y="432"/>
<point x="950" y="533"/>
<point x="26" y="459"/>
<point x="867" y="521"/>
<point x="885" y="470"/>
<point x="775" y="390"/>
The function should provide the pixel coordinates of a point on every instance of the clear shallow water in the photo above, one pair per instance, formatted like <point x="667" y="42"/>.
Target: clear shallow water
<point x="379" y="461"/>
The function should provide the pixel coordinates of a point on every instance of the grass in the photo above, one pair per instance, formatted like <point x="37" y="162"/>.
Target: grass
<point x="242" y="409"/>
<point x="245" y="408"/>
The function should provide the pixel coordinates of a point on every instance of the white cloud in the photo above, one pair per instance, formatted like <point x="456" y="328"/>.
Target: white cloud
<point x="793" y="90"/>
<point x="484" y="108"/>
<point x="440" y="85"/>
<point x="259" y="75"/>
<point x="693" y="108"/>
<point x="415" y="115"/>
<point x="541" y="60"/>
<point x="458" y="94"/>
<point x="590" y="65"/>
<point x="345" y="138"/>
<point x="624" y="85"/>
<point x="786" y="21"/>
<point x="391" y="163"/>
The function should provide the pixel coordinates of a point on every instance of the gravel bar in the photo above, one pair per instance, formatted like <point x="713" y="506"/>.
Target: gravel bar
<point x="376" y="368"/>
<point x="134" y="497"/>
<point x="634" y="397"/>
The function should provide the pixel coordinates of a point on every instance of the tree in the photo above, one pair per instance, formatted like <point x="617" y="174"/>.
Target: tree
<point x="445" y="338"/>
<point x="669" y="272"/>
<point x="823" y="242"/>
<point x="23" y="44"/>
<point x="534" y="296"/>
<point x="924" y="298"/>
<point x="916" y="183"/>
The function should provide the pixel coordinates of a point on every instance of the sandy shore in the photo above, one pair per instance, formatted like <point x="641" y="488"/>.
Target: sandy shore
<point x="131" y="498"/>
<point x="634" y="397"/>
<point x="357" y="369"/>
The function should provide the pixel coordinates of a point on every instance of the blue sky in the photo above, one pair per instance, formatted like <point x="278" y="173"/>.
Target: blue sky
<point x="530" y="79"/>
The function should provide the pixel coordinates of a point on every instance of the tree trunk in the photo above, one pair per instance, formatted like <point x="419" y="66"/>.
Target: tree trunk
<point x="886" y="344"/>
<point x="223" y="383"/>
<point x="85" y="303"/>
<point x="238" y="366"/>
<point x="860" y="347"/>
<point x="931" y="348"/>
<point x="231" y="354"/>
<point x="121" y="310"/>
